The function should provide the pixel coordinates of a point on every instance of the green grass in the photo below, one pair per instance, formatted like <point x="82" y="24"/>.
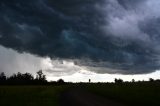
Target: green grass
<point x="141" y="94"/>
<point x="30" y="95"/>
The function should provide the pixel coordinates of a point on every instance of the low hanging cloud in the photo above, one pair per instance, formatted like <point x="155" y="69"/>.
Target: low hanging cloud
<point x="14" y="62"/>
<point x="103" y="36"/>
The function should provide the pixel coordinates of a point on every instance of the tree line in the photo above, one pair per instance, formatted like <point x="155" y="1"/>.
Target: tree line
<point x="26" y="79"/>
<point x="133" y="81"/>
<point x="40" y="79"/>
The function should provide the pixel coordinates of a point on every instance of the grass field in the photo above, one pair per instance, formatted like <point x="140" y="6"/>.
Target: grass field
<point x="30" y="95"/>
<point x="140" y="94"/>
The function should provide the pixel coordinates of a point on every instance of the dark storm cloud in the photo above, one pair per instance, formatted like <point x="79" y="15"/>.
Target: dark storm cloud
<point x="128" y="4"/>
<point x="102" y="35"/>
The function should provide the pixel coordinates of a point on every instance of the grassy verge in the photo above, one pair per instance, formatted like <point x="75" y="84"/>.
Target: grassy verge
<point x="30" y="95"/>
<point x="141" y="94"/>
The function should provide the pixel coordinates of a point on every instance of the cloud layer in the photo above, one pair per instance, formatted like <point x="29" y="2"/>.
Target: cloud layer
<point x="13" y="62"/>
<point x="104" y="36"/>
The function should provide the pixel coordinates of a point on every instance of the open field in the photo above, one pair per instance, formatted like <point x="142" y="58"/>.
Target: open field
<point x="127" y="94"/>
<point x="140" y="94"/>
<point x="30" y="95"/>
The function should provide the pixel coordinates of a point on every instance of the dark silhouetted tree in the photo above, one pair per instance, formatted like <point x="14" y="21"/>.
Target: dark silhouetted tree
<point x="40" y="76"/>
<point x="28" y="77"/>
<point x="118" y="80"/>
<point x="2" y="76"/>
<point x="151" y="79"/>
<point x="60" y="81"/>
<point x="20" y="78"/>
<point x="133" y="80"/>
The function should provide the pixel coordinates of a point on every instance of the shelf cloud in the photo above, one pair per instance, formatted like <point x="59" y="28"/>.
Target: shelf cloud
<point x="103" y="36"/>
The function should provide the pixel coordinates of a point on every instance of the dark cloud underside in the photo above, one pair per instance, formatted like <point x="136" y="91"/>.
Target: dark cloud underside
<point x="100" y="34"/>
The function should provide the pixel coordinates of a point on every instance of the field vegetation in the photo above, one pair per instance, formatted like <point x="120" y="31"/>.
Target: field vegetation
<point x="25" y="90"/>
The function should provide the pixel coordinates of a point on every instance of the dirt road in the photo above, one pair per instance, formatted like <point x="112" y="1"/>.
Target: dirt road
<point x="79" y="97"/>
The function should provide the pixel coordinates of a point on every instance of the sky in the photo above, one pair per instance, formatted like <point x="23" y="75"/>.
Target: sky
<point x="81" y="39"/>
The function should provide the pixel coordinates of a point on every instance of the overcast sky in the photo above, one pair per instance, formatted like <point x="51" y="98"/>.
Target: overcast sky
<point x="90" y="37"/>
